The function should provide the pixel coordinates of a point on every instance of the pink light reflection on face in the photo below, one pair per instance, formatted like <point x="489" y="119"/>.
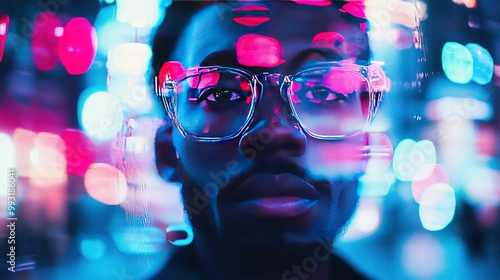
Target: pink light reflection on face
<point x="173" y="69"/>
<point x="363" y="27"/>
<point x="255" y="50"/>
<point x="207" y="80"/>
<point x="330" y="40"/>
<point x="381" y="152"/>
<point x="438" y="175"/>
<point x="44" y="42"/>
<point x="320" y="3"/>
<point x="345" y="152"/>
<point x="78" y="46"/>
<point x="251" y="15"/>
<point x="355" y="8"/>
<point x="343" y="81"/>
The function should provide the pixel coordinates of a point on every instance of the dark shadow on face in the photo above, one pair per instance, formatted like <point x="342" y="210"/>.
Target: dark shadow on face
<point x="274" y="204"/>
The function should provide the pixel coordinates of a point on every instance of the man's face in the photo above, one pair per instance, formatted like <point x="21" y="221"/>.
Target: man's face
<point x="273" y="187"/>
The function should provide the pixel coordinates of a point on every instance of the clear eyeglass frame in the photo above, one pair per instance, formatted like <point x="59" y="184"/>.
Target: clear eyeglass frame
<point x="166" y="93"/>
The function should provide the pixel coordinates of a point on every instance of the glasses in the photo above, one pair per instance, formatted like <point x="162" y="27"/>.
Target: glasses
<point x="330" y="101"/>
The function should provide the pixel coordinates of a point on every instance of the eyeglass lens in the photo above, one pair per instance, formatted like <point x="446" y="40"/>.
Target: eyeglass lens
<point x="328" y="101"/>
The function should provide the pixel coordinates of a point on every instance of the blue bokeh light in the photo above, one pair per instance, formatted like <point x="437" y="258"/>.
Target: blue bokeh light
<point x="92" y="248"/>
<point x="483" y="64"/>
<point x="457" y="63"/>
<point x="100" y="115"/>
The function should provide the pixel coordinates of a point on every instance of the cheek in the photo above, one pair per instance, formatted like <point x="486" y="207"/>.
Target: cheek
<point x="332" y="160"/>
<point x="209" y="162"/>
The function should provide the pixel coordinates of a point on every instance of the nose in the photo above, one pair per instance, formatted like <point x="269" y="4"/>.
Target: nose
<point x="274" y="132"/>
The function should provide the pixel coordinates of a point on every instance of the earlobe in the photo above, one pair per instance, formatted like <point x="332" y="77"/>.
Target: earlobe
<point x="165" y="153"/>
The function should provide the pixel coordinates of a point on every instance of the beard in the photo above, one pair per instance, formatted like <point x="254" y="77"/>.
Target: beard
<point x="265" y="246"/>
<point x="267" y="258"/>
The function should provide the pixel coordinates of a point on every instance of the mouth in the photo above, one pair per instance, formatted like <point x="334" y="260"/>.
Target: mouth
<point x="275" y="195"/>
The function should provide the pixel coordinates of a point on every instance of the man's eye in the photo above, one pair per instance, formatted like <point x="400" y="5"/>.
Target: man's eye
<point x="320" y="94"/>
<point x="220" y="95"/>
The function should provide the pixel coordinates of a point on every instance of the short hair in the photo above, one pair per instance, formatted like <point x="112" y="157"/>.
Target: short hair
<point x="177" y="18"/>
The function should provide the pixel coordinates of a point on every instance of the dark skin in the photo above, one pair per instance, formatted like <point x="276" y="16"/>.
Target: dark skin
<point x="273" y="166"/>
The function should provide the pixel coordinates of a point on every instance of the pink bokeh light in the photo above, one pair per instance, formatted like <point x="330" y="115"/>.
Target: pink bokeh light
<point x="45" y="40"/>
<point x="78" y="46"/>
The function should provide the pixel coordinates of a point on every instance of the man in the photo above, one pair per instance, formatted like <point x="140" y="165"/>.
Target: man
<point x="267" y="105"/>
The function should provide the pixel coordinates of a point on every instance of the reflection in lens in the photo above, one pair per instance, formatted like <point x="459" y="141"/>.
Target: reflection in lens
<point x="214" y="104"/>
<point x="329" y="102"/>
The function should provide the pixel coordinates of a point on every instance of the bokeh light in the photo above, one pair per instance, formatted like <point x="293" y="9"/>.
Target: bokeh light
<point x="437" y="175"/>
<point x="80" y="151"/>
<point x="410" y="157"/>
<point x="4" y="28"/>
<point x="129" y="58"/>
<point x="111" y="32"/>
<point x="437" y="207"/>
<point x="139" y="13"/>
<point x="93" y="248"/>
<point x="24" y="141"/>
<point x="101" y="115"/>
<point x="481" y="185"/>
<point x="457" y="63"/>
<point x="45" y="40"/>
<point x="375" y="184"/>
<point x="423" y="256"/>
<point x="482" y="64"/>
<point x="7" y="164"/>
<point x="127" y="66"/>
<point x="47" y="161"/>
<point x="106" y="184"/>
<point x="459" y="109"/>
<point x="78" y="46"/>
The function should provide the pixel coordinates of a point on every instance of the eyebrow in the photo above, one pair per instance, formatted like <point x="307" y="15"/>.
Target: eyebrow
<point x="297" y="62"/>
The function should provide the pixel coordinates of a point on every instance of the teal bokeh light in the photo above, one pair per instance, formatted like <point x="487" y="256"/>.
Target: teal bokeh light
<point x="92" y="248"/>
<point x="482" y="64"/>
<point x="437" y="207"/>
<point x="457" y="63"/>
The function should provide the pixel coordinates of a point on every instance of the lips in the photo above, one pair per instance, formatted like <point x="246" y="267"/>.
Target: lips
<point x="275" y="195"/>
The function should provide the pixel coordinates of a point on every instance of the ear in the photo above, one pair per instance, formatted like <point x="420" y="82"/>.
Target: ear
<point x="165" y="154"/>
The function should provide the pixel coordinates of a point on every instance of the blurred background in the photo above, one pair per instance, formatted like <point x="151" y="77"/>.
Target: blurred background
<point x="80" y="197"/>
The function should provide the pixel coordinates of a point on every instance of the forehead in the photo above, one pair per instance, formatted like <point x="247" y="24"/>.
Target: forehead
<point x="274" y="31"/>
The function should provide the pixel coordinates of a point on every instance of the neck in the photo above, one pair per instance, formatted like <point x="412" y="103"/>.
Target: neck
<point x="230" y="262"/>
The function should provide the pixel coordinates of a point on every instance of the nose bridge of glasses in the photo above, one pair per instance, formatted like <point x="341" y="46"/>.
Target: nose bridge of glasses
<point x="273" y="103"/>
<point x="269" y="81"/>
